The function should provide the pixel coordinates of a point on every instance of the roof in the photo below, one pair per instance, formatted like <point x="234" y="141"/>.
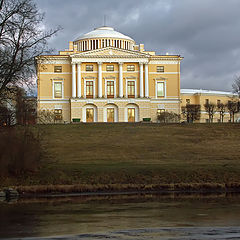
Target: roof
<point x="104" y="32"/>
<point x="202" y="91"/>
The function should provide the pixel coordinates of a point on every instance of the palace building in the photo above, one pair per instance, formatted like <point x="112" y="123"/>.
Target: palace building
<point x="202" y="97"/>
<point x="105" y="76"/>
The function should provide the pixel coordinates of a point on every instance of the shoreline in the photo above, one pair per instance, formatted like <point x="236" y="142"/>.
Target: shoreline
<point x="52" y="191"/>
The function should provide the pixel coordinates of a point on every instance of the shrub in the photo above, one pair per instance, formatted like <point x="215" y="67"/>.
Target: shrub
<point x="19" y="151"/>
<point x="168" y="117"/>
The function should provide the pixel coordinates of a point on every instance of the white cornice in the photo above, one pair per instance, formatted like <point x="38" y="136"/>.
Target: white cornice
<point x="165" y="61"/>
<point x="94" y="52"/>
<point x="114" y="59"/>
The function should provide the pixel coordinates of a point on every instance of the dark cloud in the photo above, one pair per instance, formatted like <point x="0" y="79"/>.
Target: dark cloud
<point x="206" y="33"/>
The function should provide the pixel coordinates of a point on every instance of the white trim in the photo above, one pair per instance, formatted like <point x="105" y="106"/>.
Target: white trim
<point x="164" y="62"/>
<point x="94" y="82"/>
<point x="107" y="59"/>
<point x="131" y="78"/>
<point x="165" y="88"/>
<point x="58" y="107"/>
<point x="74" y="84"/>
<point x="57" y="81"/>
<point x="141" y="80"/>
<point x="110" y="72"/>
<point x="131" y="71"/>
<point x="53" y="73"/>
<point x="108" y="79"/>
<point x="89" y="71"/>
<point x="164" y="101"/>
<point x="110" y="105"/>
<point x="95" y="112"/>
<point x="79" y="81"/>
<point x="54" y="101"/>
<point x="146" y="80"/>
<point x="162" y="73"/>
<point x="136" y="107"/>
<point x="100" y="79"/>
<point x="53" y="61"/>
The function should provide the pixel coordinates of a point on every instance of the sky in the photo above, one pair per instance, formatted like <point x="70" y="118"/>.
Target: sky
<point x="205" y="32"/>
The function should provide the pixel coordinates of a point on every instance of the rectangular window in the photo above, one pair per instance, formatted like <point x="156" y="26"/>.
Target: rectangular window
<point x="89" y="68"/>
<point x="57" y="69"/>
<point x="57" y="90"/>
<point x="206" y="101"/>
<point x="89" y="89"/>
<point x="58" y="114"/>
<point x="160" y="89"/>
<point x="130" y="68"/>
<point x="110" y="89"/>
<point x="160" y="68"/>
<point x="131" y="89"/>
<point x="110" y="68"/>
<point x="159" y="111"/>
<point x="187" y="101"/>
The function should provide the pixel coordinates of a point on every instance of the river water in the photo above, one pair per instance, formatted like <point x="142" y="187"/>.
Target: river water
<point x="123" y="217"/>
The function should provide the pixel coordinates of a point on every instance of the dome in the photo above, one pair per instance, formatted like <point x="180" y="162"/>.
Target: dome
<point x="104" y="32"/>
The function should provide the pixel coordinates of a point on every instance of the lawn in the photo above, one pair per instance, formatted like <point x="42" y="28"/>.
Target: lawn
<point x="136" y="154"/>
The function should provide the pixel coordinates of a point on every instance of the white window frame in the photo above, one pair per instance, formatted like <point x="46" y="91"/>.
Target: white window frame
<point x="126" y="87"/>
<point x="165" y="88"/>
<point x="128" y="65"/>
<point x="106" y="79"/>
<point x="108" y="65"/>
<point x="136" y="107"/>
<point x="94" y="88"/>
<point x="53" y="89"/>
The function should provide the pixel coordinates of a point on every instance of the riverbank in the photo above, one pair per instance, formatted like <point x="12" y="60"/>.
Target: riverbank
<point x="75" y="190"/>
<point x="135" y="157"/>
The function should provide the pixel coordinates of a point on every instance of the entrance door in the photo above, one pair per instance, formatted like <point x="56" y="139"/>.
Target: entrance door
<point x="110" y="114"/>
<point x="131" y="114"/>
<point x="89" y="115"/>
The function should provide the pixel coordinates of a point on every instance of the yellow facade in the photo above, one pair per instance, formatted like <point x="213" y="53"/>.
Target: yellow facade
<point x="200" y="97"/>
<point x="105" y="77"/>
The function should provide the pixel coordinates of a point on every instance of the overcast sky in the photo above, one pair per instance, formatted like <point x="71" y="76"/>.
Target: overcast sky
<point x="205" y="32"/>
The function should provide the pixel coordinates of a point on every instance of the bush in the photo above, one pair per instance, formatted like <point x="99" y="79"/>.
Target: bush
<point x="168" y="117"/>
<point x="19" y="151"/>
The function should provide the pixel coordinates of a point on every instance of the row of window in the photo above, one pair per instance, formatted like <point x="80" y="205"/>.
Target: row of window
<point x="206" y="101"/>
<point x="109" y="68"/>
<point x="110" y="89"/>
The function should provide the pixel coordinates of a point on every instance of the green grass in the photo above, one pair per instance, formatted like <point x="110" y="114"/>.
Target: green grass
<point x="136" y="154"/>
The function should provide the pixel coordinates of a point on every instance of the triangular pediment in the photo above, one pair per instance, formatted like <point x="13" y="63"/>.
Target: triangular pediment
<point x="111" y="52"/>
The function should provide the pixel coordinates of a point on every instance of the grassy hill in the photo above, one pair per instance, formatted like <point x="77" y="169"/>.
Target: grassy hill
<point x="136" y="154"/>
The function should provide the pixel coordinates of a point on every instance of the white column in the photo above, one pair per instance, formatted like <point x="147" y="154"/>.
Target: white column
<point x="146" y="80"/>
<point x="99" y="79"/>
<point x="141" y="80"/>
<point x="73" y="80"/>
<point x="79" y="82"/>
<point x="120" y="79"/>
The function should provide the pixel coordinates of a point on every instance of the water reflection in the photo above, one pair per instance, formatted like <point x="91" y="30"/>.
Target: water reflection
<point x="124" y="217"/>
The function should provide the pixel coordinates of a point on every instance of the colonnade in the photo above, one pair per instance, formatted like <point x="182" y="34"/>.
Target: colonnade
<point x="76" y="83"/>
<point x="85" y="45"/>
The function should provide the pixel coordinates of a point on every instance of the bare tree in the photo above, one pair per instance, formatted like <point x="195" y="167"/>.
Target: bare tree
<point x="233" y="108"/>
<point x="25" y="108"/>
<point x="221" y="108"/>
<point x="210" y="108"/>
<point x="191" y="112"/>
<point x="236" y="86"/>
<point x="168" y="117"/>
<point x="45" y="117"/>
<point x="22" y="38"/>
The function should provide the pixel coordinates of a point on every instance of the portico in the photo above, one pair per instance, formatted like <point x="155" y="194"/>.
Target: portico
<point x="141" y="76"/>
